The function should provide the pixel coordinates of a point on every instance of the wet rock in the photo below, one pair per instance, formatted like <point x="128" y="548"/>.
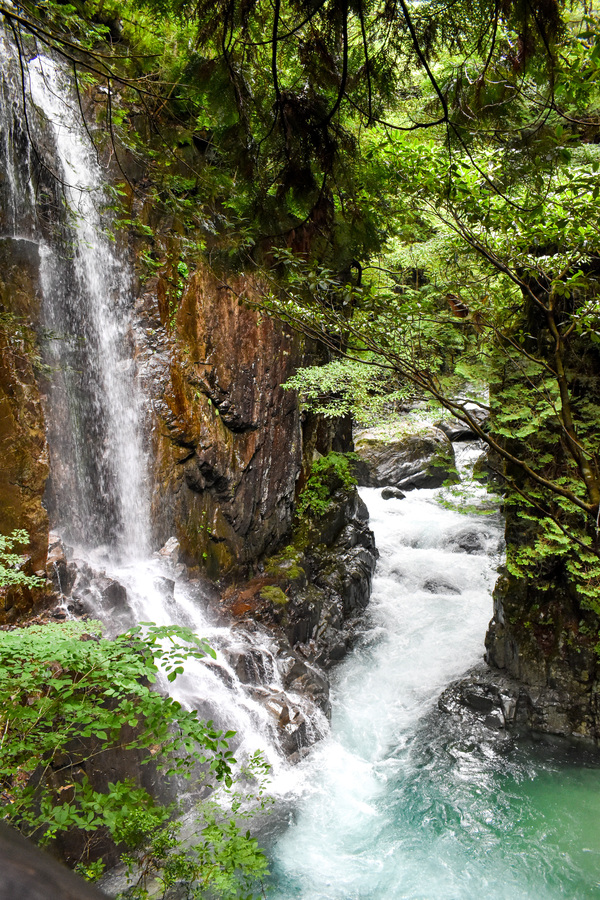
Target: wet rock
<point x="220" y="671"/>
<point x="498" y="701"/>
<point x="250" y="666"/>
<point x="439" y="586"/>
<point x="312" y="599"/>
<point x="293" y="735"/>
<point x="57" y="568"/>
<point x="404" y="461"/>
<point x="392" y="494"/>
<point x="468" y="540"/>
<point x="323" y="616"/>
<point x="227" y="436"/>
<point x="456" y="430"/>
<point x="171" y="550"/>
<point x="31" y="874"/>
<point x="165" y="587"/>
<point x="545" y="642"/>
<point x="58" y="614"/>
<point x="113" y="594"/>
<point x="24" y="469"/>
<point x="93" y="593"/>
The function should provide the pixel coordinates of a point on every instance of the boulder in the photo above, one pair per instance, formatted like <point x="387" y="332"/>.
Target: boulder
<point x="456" y="430"/>
<point x="392" y="494"/>
<point x="468" y="540"/>
<point x="424" y="459"/>
<point x="29" y="873"/>
<point x="440" y="586"/>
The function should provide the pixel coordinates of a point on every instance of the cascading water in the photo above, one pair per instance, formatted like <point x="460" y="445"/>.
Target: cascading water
<point x="87" y="300"/>
<point x="55" y="189"/>
<point x="394" y="803"/>
<point x="401" y="802"/>
<point x="54" y="196"/>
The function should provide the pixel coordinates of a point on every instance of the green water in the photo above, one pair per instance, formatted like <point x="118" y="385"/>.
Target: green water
<point x="403" y="802"/>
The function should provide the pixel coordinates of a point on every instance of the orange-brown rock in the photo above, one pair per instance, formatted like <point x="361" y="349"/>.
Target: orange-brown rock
<point x="227" y="440"/>
<point x="23" y="449"/>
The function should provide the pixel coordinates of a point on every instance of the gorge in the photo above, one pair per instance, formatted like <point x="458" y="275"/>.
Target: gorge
<point x="156" y="462"/>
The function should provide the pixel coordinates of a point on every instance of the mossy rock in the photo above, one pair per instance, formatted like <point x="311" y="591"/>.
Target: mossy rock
<point x="273" y="594"/>
<point x="285" y="566"/>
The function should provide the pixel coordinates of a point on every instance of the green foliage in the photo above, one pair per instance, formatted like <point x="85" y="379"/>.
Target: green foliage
<point x="274" y="595"/>
<point x="68" y="695"/>
<point x="11" y="563"/>
<point x="70" y="698"/>
<point x="220" y="857"/>
<point x="345" y="387"/>
<point x="327" y="474"/>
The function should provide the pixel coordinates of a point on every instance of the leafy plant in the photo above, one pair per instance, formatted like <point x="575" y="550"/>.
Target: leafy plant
<point x="327" y="474"/>
<point x="11" y="564"/>
<point x="220" y="856"/>
<point x="69" y="698"/>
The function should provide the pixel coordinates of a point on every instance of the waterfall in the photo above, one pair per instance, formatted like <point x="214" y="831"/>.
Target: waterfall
<point x="55" y="199"/>
<point x="56" y="193"/>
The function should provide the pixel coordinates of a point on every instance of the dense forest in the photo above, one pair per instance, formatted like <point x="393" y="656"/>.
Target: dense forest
<point x="418" y="188"/>
<point x="413" y="187"/>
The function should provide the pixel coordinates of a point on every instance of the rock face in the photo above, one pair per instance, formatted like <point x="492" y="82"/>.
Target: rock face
<point x="313" y="593"/>
<point x="24" y="451"/>
<point x="405" y="461"/>
<point x="227" y="437"/>
<point x="540" y="638"/>
<point x="505" y="704"/>
<point x="544" y="638"/>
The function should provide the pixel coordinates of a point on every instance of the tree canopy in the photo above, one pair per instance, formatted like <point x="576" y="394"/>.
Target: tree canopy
<point x="416" y="181"/>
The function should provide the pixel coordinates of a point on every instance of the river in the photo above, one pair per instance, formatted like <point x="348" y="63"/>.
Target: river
<point x="399" y="803"/>
<point x="398" y="800"/>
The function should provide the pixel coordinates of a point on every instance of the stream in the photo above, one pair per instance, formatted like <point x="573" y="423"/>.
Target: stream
<point x="395" y="800"/>
<point x="399" y="803"/>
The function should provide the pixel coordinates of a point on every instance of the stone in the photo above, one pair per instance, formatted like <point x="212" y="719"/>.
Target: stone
<point x="171" y="550"/>
<point x="405" y="461"/>
<point x="31" y="874"/>
<point x="113" y="594"/>
<point x="438" y="586"/>
<point x="468" y="540"/>
<point x="392" y="494"/>
<point x="249" y="666"/>
<point x="456" y="430"/>
<point x="165" y="587"/>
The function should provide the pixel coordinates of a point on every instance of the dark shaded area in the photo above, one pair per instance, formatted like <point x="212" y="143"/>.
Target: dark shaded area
<point x="27" y="873"/>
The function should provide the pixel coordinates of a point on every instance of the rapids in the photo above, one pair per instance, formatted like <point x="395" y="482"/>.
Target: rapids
<point x="399" y="804"/>
<point x="394" y="802"/>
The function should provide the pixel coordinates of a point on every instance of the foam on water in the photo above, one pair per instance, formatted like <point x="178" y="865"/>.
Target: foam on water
<point x="393" y="806"/>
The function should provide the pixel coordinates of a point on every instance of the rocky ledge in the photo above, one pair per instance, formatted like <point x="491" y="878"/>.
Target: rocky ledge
<point x="311" y="596"/>
<point x="289" y="624"/>
<point x="496" y="701"/>
<point x="405" y="460"/>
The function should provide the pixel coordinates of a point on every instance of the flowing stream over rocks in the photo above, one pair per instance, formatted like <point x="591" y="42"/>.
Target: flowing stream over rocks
<point x="55" y="197"/>
<point x="402" y="800"/>
<point x="399" y="799"/>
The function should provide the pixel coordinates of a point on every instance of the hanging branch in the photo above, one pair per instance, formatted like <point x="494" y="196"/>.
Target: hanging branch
<point x="344" y="78"/>
<point x="363" y="32"/>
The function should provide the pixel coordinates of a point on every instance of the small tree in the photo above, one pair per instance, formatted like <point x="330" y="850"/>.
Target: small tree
<point x="69" y="698"/>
